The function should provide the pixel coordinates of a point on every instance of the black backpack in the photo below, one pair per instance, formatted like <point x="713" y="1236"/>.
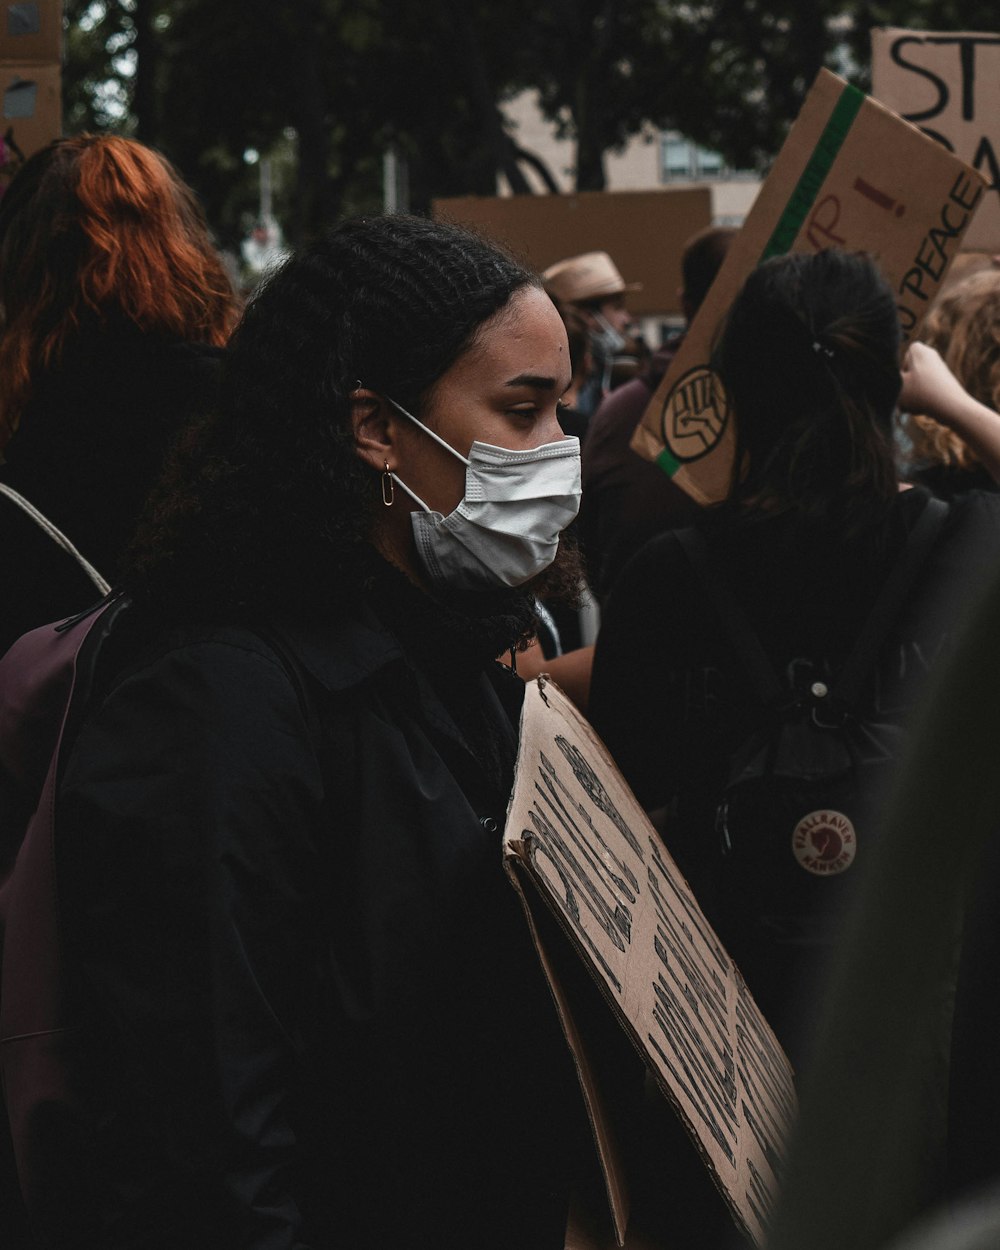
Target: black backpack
<point x="800" y="808"/>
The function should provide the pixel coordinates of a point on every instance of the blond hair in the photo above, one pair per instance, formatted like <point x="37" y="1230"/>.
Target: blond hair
<point x="964" y="326"/>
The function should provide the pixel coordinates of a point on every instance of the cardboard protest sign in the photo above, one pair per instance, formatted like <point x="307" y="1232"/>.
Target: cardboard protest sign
<point x="948" y="84"/>
<point x="578" y="845"/>
<point x="852" y="175"/>
<point x="31" y="33"/>
<point x="644" y="231"/>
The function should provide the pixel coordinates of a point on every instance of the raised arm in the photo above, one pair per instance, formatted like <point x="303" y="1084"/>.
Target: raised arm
<point x="931" y="389"/>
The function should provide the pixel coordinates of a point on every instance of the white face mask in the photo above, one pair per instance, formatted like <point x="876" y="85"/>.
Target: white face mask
<point x="507" y="527"/>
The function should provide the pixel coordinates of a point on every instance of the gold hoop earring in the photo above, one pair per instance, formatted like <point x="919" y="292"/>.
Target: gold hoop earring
<point x="388" y="486"/>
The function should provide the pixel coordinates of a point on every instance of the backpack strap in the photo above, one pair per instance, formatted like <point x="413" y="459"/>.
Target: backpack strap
<point x="758" y="668"/>
<point x="44" y="676"/>
<point x="56" y="535"/>
<point x="887" y="606"/>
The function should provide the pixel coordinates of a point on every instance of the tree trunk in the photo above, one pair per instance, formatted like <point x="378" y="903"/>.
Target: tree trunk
<point x="483" y="96"/>
<point x="590" y="174"/>
<point x="314" y="206"/>
<point x="592" y="43"/>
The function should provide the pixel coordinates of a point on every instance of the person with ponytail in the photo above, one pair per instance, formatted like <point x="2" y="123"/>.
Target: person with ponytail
<point x="114" y="308"/>
<point x="311" y="1008"/>
<point x="813" y="527"/>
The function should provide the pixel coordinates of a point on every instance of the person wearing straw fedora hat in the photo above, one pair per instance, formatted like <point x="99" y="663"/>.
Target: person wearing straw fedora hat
<point x="592" y="284"/>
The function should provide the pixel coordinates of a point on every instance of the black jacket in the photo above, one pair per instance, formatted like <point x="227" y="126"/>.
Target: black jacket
<point x="88" y="450"/>
<point x="315" y="1014"/>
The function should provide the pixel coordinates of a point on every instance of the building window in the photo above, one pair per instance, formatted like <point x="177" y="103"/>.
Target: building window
<point x="676" y="159"/>
<point x="682" y="160"/>
<point x="710" y="164"/>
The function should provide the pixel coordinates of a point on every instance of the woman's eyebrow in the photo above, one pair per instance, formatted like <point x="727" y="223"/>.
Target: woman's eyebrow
<point x="537" y="380"/>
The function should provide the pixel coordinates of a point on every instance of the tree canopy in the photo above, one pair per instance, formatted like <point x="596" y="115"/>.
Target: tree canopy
<point x="327" y="86"/>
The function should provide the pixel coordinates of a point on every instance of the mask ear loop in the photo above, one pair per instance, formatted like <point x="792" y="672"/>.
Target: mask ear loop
<point x="427" y="430"/>
<point x="437" y="438"/>
<point x="412" y="493"/>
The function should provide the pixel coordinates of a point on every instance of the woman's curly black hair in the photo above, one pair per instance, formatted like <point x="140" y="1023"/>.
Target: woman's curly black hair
<point x="268" y="502"/>
<point x="809" y="357"/>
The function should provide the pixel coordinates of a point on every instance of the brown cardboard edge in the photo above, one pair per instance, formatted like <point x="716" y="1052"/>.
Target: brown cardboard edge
<point x="572" y="713"/>
<point x="592" y="1089"/>
<point x="516" y="852"/>
<point x="608" y="1150"/>
<point x="802" y="138"/>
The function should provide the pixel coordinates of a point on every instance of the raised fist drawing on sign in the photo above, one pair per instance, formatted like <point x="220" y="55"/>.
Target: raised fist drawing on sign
<point x="695" y="414"/>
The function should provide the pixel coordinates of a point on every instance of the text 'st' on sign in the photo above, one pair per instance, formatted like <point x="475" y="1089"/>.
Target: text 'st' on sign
<point x="948" y="84"/>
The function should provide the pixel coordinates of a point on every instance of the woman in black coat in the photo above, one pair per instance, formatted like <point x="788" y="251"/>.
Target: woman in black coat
<point x="314" y="1014"/>
<point x="115" y="308"/>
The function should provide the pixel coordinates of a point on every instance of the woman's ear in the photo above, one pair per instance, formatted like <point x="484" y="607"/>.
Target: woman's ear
<point x="373" y="424"/>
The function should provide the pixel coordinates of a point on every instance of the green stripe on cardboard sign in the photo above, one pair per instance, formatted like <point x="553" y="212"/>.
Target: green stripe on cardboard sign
<point x="814" y="175"/>
<point x="802" y="199"/>
<point x="668" y="462"/>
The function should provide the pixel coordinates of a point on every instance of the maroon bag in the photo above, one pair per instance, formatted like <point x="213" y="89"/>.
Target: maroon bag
<point x="45" y="679"/>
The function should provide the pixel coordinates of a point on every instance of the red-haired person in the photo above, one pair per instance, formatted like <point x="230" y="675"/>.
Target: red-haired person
<point x="114" y="307"/>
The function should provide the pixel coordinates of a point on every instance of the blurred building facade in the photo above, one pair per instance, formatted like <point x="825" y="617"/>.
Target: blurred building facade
<point x="654" y="158"/>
